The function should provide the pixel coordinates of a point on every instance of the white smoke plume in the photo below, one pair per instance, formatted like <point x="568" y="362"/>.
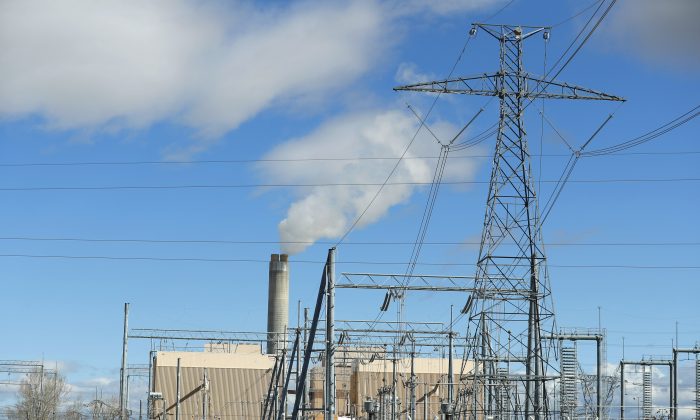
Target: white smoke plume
<point x="327" y="212"/>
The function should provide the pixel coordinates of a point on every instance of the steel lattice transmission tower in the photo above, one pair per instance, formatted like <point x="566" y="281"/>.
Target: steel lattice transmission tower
<point x="511" y="309"/>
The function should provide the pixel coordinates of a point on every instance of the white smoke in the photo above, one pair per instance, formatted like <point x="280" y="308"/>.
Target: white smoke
<point x="327" y="212"/>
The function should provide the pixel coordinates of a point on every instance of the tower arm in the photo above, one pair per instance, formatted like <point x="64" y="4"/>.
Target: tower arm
<point x="552" y="89"/>
<point x="484" y="85"/>
<point x="495" y="85"/>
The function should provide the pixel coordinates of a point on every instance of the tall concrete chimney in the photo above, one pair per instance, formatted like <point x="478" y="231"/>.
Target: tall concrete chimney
<point x="277" y="303"/>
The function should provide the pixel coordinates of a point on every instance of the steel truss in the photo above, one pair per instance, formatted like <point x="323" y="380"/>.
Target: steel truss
<point x="674" y="377"/>
<point x="646" y="383"/>
<point x="23" y="367"/>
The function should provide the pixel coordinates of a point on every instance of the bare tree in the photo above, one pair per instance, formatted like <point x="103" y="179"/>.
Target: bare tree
<point x="40" y="396"/>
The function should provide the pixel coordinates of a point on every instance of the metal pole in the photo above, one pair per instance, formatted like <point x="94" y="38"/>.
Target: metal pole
<point x="140" y="410"/>
<point x="310" y="343"/>
<point x="450" y="374"/>
<point x="122" y="372"/>
<point x="307" y="379"/>
<point x="599" y="373"/>
<point x="330" y="336"/>
<point x="126" y="396"/>
<point x="672" y="393"/>
<point x="393" y="386"/>
<point x="281" y="414"/>
<point x="674" y="388"/>
<point x="151" y="383"/>
<point x="177" y="391"/>
<point x="205" y="395"/>
<point x="413" y="381"/>
<point x="425" y="401"/>
<point x="622" y="390"/>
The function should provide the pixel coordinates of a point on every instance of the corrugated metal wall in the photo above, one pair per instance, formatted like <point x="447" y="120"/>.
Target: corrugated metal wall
<point x="233" y="393"/>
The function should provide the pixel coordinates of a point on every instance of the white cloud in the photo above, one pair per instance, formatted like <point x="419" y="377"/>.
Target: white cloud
<point x="439" y="7"/>
<point x="661" y="32"/>
<point x="209" y="65"/>
<point x="327" y="212"/>
<point x="408" y="74"/>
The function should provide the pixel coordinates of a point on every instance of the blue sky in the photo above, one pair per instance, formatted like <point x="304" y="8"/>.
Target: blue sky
<point x="186" y="81"/>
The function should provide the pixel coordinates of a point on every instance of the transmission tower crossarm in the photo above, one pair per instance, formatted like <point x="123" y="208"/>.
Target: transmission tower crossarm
<point x="482" y="84"/>
<point x="500" y="31"/>
<point x="493" y="85"/>
<point x="553" y="89"/>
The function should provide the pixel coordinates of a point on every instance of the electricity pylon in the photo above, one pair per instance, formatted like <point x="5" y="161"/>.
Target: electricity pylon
<point x="511" y="309"/>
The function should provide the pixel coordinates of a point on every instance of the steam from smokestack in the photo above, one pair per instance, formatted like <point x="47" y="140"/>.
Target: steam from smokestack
<point x="328" y="211"/>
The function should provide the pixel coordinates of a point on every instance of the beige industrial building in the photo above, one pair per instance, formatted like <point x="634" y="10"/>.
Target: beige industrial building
<point x="236" y="385"/>
<point x="362" y="380"/>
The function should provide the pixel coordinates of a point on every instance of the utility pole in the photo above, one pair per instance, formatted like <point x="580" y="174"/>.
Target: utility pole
<point x="330" y="336"/>
<point x="512" y="265"/>
<point x="307" y="381"/>
<point x="122" y="371"/>
<point x="622" y="389"/>
<point x="425" y="401"/>
<point x="413" y="380"/>
<point x="449" y="411"/>
<point x="149" y="402"/>
<point x="178" y="382"/>
<point x="205" y="395"/>
<point x="393" y="386"/>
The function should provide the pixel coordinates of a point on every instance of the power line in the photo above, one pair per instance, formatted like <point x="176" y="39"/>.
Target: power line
<point x="649" y="135"/>
<point x="363" y="243"/>
<point x="328" y="184"/>
<point x="577" y="14"/>
<point x="255" y="260"/>
<point x="304" y="159"/>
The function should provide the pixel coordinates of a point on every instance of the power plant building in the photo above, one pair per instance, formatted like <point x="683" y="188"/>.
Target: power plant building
<point x="363" y="380"/>
<point x="230" y="385"/>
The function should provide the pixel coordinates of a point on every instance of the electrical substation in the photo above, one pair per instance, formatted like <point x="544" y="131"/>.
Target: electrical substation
<point x="465" y="330"/>
<point x="498" y="354"/>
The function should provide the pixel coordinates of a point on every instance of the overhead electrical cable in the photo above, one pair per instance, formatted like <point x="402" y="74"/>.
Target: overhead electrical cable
<point x="363" y="243"/>
<point x="312" y="159"/>
<point x="649" y="135"/>
<point x="340" y="262"/>
<point x="577" y="14"/>
<point x="330" y="184"/>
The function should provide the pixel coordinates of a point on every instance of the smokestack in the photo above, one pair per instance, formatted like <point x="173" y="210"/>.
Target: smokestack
<point x="277" y="303"/>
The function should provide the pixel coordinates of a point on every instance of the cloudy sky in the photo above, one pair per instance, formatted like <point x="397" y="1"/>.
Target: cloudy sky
<point x="225" y="123"/>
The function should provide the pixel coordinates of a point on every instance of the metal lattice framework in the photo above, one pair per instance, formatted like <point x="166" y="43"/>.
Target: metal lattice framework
<point x="646" y="393"/>
<point x="697" y="387"/>
<point x="569" y="379"/>
<point x="506" y="329"/>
